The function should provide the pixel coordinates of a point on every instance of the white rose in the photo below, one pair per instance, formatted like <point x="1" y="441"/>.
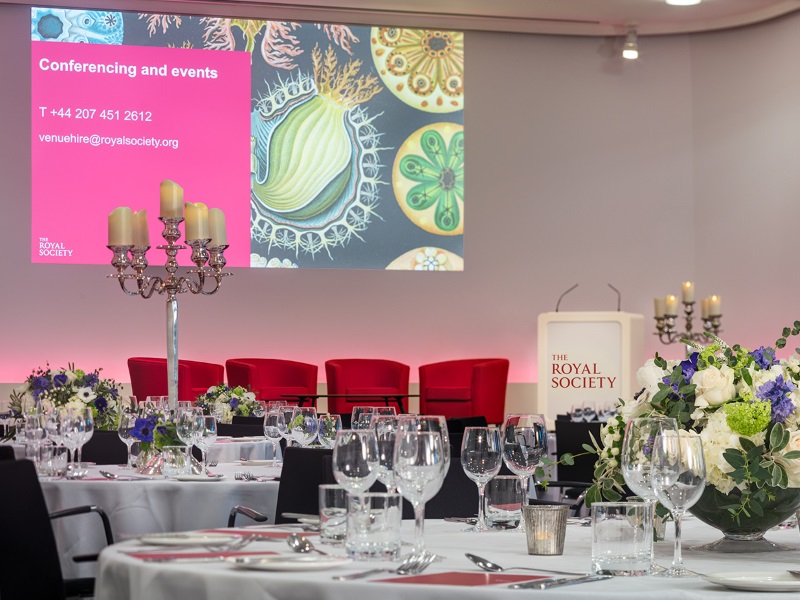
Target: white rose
<point x="714" y="386"/>
<point x="212" y="389"/>
<point x="792" y="465"/>
<point x="249" y="396"/>
<point x="649" y="376"/>
<point x="70" y="376"/>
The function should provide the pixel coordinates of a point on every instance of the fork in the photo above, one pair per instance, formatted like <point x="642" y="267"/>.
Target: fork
<point x="244" y="476"/>
<point x="412" y="565"/>
<point x="234" y="545"/>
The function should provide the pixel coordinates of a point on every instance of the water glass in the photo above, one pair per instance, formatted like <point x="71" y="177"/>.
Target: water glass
<point x="51" y="461"/>
<point x="504" y="499"/>
<point x="622" y="538"/>
<point x="274" y="430"/>
<point x="173" y="460"/>
<point x="332" y="513"/>
<point x="524" y="445"/>
<point x="373" y="526"/>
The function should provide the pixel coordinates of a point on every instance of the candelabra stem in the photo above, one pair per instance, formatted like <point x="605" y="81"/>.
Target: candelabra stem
<point x="172" y="350"/>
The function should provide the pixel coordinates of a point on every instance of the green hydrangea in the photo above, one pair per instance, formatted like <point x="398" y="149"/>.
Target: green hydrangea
<point x="748" y="418"/>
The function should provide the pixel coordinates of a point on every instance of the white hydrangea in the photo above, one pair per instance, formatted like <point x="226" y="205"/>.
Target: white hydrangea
<point x="718" y="437"/>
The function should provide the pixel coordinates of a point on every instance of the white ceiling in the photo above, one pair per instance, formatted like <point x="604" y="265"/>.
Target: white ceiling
<point x="569" y="17"/>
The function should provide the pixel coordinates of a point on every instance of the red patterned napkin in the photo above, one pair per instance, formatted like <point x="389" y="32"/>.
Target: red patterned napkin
<point x="207" y="554"/>
<point x="276" y="535"/>
<point x="468" y="579"/>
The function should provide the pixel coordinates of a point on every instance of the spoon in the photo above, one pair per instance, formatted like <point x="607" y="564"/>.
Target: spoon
<point x="488" y="565"/>
<point x="115" y="477"/>
<point x="298" y="543"/>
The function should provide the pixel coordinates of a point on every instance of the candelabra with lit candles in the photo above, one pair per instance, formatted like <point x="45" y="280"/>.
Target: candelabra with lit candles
<point x="666" y="315"/>
<point x="129" y="241"/>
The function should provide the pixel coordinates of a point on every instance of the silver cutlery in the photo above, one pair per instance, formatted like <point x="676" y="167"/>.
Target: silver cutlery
<point x="302" y="544"/>
<point x="546" y="584"/>
<point x="249" y="476"/>
<point x="412" y="565"/>
<point x="115" y="477"/>
<point x="488" y="565"/>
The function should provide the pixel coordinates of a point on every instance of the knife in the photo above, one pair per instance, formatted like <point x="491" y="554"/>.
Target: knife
<point x="551" y="583"/>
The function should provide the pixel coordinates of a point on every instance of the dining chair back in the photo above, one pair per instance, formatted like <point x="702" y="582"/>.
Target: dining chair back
<point x="149" y="377"/>
<point x="6" y="453"/>
<point x="272" y="378"/>
<point x="105" y="448"/>
<point x="303" y="471"/>
<point x="464" y="388"/>
<point x="238" y="430"/>
<point x="360" y="376"/>
<point x="570" y="437"/>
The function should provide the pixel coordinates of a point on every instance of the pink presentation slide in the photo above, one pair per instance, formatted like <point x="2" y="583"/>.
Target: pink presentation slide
<point x="111" y="122"/>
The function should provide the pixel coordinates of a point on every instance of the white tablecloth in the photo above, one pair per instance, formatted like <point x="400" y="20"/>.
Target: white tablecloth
<point x="124" y="578"/>
<point x="159" y="505"/>
<point x="233" y="449"/>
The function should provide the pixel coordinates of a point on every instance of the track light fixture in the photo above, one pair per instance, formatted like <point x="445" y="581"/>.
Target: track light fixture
<point x="630" y="48"/>
<point x="683" y="2"/>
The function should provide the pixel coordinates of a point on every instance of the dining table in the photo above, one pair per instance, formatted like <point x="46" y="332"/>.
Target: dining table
<point x="137" y="504"/>
<point x="125" y="574"/>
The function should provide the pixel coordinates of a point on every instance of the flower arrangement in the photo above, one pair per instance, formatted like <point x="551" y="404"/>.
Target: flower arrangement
<point x="226" y="402"/>
<point x="72" y="388"/>
<point x="743" y="403"/>
<point x="155" y="430"/>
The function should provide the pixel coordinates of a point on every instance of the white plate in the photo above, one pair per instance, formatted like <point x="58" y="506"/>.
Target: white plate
<point x="287" y="562"/>
<point x="198" y="477"/>
<point x="757" y="581"/>
<point x="187" y="539"/>
<point x="267" y="462"/>
<point x="224" y="437"/>
<point x="250" y="438"/>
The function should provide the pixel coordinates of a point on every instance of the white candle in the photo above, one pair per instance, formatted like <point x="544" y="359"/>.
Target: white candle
<point x="120" y="227"/>
<point x="704" y="308"/>
<point x="688" y="291"/>
<point x="216" y="226"/>
<point x="660" y="306"/>
<point x="671" y="305"/>
<point x="171" y="199"/>
<point x="715" y="306"/>
<point x="196" y="221"/>
<point x="141" y="235"/>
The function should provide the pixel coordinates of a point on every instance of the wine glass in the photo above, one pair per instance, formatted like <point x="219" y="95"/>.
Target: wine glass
<point x="127" y="423"/>
<point x="304" y="425"/>
<point x="481" y="459"/>
<point x="589" y="412"/>
<point x="87" y="416"/>
<point x="524" y="445"/>
<point x="327" y="426"/>
<point x="206" y="438"/>
<point x="188" y="429"/>
<point x="678" y="475"/>
<point x="355" y="459"/>
<point x="636" y="458"/>
<point x="287" y="411"/>
<point x="356" y="421"/>
<point x="72" y="426"/>
<point x="386" y="427"/>
<point x="274" y="430"/>
<point x="419" y="468"/>
<point x="435" y="423"/>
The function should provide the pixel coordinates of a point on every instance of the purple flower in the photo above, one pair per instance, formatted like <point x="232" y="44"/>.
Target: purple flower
<point x="765" y="358"/>
<point x="40" y="383"/>
<point x="777" y="392"/>
<point x="161" y="429"/>
<point x="101" y="404"/>
<point x="59" y="380"/>
<point x="90" y="380"/>
<point x="143" y="430"/>
<point x="234" y="402"/>
<point x="689" y="366"/>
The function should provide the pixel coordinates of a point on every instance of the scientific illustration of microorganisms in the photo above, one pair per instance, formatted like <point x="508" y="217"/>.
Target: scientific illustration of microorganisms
<point x="422" y="67"/>
<point x="315" y="162"/>
<point x="78" y="26"/>
<point x="428" y="178"/>
<point x="427" y="259"/>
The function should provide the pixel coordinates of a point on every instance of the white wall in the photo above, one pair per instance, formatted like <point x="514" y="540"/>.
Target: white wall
<point x="580" y="169"/>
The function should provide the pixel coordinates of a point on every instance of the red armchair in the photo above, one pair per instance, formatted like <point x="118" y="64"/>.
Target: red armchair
<point x="271" y="377"/>
<point x="149" y="377"/>
<point x="464" y="388"/>
<point x="364" y="376"/>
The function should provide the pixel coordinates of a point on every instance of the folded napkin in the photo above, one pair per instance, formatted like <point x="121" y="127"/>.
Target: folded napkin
<point x="461" y="578"/>
<point x="193" y="555"/>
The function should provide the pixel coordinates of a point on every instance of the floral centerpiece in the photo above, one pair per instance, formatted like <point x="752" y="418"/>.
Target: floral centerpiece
<point x="153" y="431"/>
<point x="746" y="408"/>
<point x="226" y="402"/>
<point x="47" y="388"/>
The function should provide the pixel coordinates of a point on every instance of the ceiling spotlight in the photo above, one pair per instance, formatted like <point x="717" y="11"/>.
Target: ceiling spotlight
<point x="683" y="2"/>
<point x="630" y="48"/>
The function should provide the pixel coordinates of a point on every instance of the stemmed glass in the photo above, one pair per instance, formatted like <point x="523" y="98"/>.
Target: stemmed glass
<point x="435" y="423"/>
<point x="327" y="426"/>
<point x="127" y="423"/>
<point x="288" y="412"/>
<point x="355" y="459"/>
<point x="636" y="459"/>
<point x="206" y="438"/>
<point x="419" y="468"/>
<point x="274" y="430"/>
<point x="524" y="445"/>
<point x="188" y="427"/>
<point x="73" y="425"/>
<point x="386" y="427"/>
<point x="678" y="476"/>
<point x="360" y="417"/>
<point x="481" y="459"/>
<point x="304" y="425"/>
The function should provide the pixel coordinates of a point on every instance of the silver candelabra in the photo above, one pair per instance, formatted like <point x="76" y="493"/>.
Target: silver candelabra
<point x="667" y="334"/>
<point x="209" y="262"/>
